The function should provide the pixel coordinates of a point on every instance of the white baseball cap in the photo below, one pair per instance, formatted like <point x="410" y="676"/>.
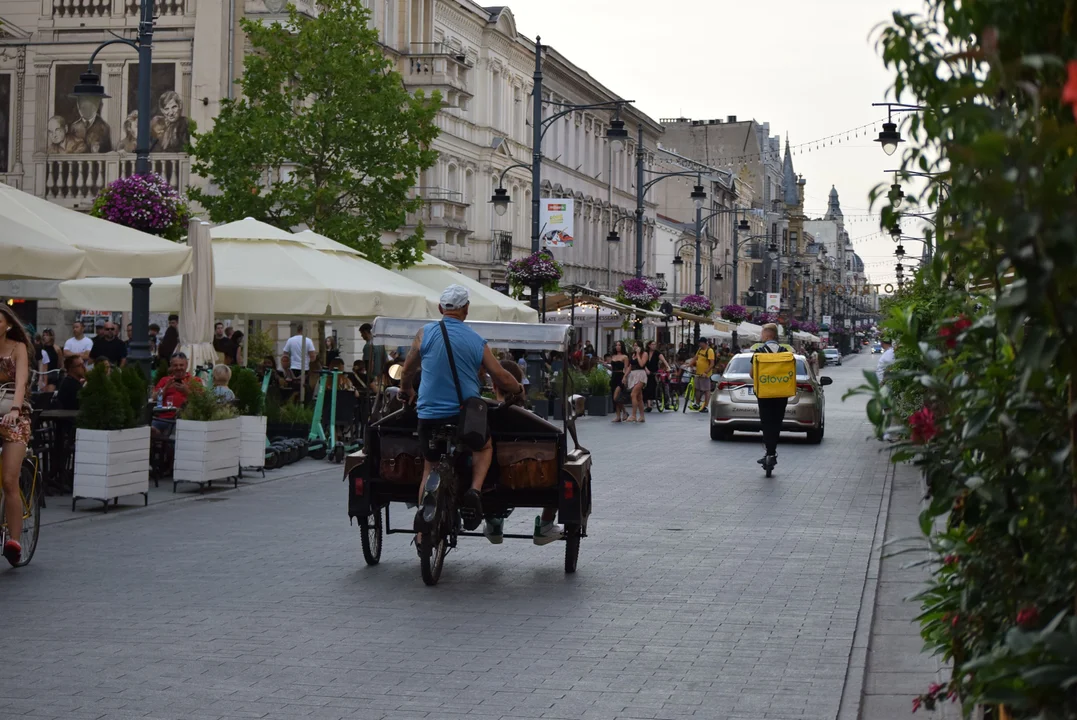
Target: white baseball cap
<point x="454" y="297"/>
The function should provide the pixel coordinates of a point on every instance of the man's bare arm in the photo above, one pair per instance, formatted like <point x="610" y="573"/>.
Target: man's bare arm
<point x="411" y="365"/>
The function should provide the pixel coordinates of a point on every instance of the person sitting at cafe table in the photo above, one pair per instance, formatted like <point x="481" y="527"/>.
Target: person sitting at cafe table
<point x="172" y="393"/>
<point x="222" y="375"/>
<point x="68" y="395"/>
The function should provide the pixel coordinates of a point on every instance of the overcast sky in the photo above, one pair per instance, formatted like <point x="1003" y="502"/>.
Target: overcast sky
<point x="808" y="67"/>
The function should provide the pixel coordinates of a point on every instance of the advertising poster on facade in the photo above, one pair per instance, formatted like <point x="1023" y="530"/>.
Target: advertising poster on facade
<point x="774" y="302"/>
<point x="556" y="218"/>
<point x="826" y="320"/>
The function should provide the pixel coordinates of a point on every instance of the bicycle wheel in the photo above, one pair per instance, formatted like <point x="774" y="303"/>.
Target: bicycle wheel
<point x="435" y="543"/>
<point x="370" y="527"/>
<point x="572" y="546"/>
<point x="30" y="494"/>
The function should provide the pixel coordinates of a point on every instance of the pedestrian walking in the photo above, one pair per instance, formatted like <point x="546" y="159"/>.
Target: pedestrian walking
<point x="618" y="365"/>
<point x="885" y="361"/>
<point x="636" y="381"/>
<point x="655" y="361"/>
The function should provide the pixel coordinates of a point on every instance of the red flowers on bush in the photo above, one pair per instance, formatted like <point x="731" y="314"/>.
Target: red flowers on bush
<point x="922" y="424"/>
<point x="950" y="332"/>
<point x="1069" y="90"/>
<point x="1028" y="616"/>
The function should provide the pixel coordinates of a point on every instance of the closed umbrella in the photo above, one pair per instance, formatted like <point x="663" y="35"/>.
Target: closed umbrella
<point x="40" y="239"/>
<point x="196" y="297"/>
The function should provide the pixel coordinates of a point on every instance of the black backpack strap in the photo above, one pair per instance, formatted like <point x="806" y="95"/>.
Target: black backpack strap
<point x="452" y="362"/>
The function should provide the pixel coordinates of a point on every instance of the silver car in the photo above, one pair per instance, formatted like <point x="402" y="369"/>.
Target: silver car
<point x="734" y="407"/>
<point x="833" y="356"/>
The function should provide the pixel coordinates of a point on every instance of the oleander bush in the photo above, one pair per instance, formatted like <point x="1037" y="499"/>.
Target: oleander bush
<point x="982" y="397"/>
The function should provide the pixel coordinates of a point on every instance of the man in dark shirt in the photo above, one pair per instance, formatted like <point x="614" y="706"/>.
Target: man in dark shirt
<point x="224" y="345"/>
<point x="71" y="385"/>
<point x="108" y="345"/>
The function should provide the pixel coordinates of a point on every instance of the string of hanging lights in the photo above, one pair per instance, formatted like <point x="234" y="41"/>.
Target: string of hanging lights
<point x="861" y="131"/>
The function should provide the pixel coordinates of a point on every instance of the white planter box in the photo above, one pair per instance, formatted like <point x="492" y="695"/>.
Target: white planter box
<point x="252" y="441"/>
<point x="110" y="464"/>
<point x="206" y="451"/>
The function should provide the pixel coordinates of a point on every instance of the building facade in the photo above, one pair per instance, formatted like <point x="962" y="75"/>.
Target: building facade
<point x="482" y="66"/>
<point x="485" y="67"/>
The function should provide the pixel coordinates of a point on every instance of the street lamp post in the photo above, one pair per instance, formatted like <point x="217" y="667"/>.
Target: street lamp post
<point x="615" y="134"/>
<point x="89" y="90"/>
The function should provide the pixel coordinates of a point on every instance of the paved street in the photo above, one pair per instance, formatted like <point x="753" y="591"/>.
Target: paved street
<point x="704" y="590"/>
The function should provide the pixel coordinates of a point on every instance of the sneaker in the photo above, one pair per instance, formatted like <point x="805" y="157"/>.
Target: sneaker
<point x="13" y="552"/>
<point x="546" y="533"/>
<point x="471" y="510"/>
<point x="494" y="531"/>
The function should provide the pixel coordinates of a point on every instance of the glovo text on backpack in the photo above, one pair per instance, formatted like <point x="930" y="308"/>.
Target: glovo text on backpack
<point x="775" y="375"/>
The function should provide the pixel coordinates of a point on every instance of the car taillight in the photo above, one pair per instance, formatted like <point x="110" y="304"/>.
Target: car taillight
<point x="569" y="491"/>
<point x="358" y="486"/>
<point x="806" y="387"/>
<point x="726" y="385"/>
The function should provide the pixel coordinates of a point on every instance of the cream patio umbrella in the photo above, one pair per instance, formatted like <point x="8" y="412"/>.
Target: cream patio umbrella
<point x="486" y="303"/>
<point x="264" y="272"/>
<point x="40" y="239"/>
<point x="196" y="297"/>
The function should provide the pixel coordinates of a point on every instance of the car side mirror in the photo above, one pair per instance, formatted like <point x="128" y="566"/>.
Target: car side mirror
<point x="824" y="381"/>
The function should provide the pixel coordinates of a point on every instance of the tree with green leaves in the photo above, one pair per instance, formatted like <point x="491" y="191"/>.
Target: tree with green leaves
<point x="323" y="135"/>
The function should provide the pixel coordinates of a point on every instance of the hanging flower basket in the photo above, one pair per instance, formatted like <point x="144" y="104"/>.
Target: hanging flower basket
<point x="734" y="313"/>
<point x="144" y="202"/>
<point x="697" y="305"/>
<point x="639" y="292"/>
<point x="536" y="270"/>
<point x="765" y="317"/>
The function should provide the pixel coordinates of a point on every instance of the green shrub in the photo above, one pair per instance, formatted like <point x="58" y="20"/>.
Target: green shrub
<point x="599" y="382"/>
<point x="135" y="391"/>
<point x="202" y="406"/>
<point x="248" y="391"/>
<point x="104" y="403"/>
<point x="294" y="414"/>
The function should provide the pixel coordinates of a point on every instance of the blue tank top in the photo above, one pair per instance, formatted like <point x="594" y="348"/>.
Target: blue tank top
<point x="437" y="394"/>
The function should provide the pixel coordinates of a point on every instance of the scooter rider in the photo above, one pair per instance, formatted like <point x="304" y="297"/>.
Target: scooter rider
<point x="771" y="410"/>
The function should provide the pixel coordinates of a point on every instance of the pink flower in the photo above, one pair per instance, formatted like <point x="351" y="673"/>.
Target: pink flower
<point x="916" y="704"/>
<point x="1028" y="616"/>
<point x="950" y="560"/>
<point x="1069" y="90"/>
<point x="922" y="424"/>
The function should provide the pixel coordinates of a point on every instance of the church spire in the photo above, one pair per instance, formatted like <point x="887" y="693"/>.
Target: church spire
<point x="833" y="211"/>
<point x="790" y="194"/>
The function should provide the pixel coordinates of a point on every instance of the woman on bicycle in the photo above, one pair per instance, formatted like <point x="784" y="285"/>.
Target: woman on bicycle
<point x="16" y="349"/>
<point x="618" y="361"/>
<point x="637" y="380"/>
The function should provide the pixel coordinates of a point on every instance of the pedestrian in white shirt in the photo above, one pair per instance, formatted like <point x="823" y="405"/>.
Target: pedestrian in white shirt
<point x="294" y="350"/>
<point x="885" y="360"/>
<point x="79" y="345"/>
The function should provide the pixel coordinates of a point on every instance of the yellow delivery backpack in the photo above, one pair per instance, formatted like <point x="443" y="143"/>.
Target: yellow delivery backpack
<point x="774" y="374"/>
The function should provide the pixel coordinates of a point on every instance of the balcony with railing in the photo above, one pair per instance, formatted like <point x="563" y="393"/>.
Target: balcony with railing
<point x="441" y="208"/>
<point x="89" y="9"/>
<point x="74" y="180"/>
<point x="437" y="66"/>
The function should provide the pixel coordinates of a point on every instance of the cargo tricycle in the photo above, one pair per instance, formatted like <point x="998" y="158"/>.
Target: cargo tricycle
<point x="533" y="465"/>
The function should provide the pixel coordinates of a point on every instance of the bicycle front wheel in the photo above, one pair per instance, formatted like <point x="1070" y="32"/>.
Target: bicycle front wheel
<point x="30" y="496"/>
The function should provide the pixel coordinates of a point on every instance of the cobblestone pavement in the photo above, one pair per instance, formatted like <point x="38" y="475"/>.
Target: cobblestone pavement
<point x="704" y="590"/>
